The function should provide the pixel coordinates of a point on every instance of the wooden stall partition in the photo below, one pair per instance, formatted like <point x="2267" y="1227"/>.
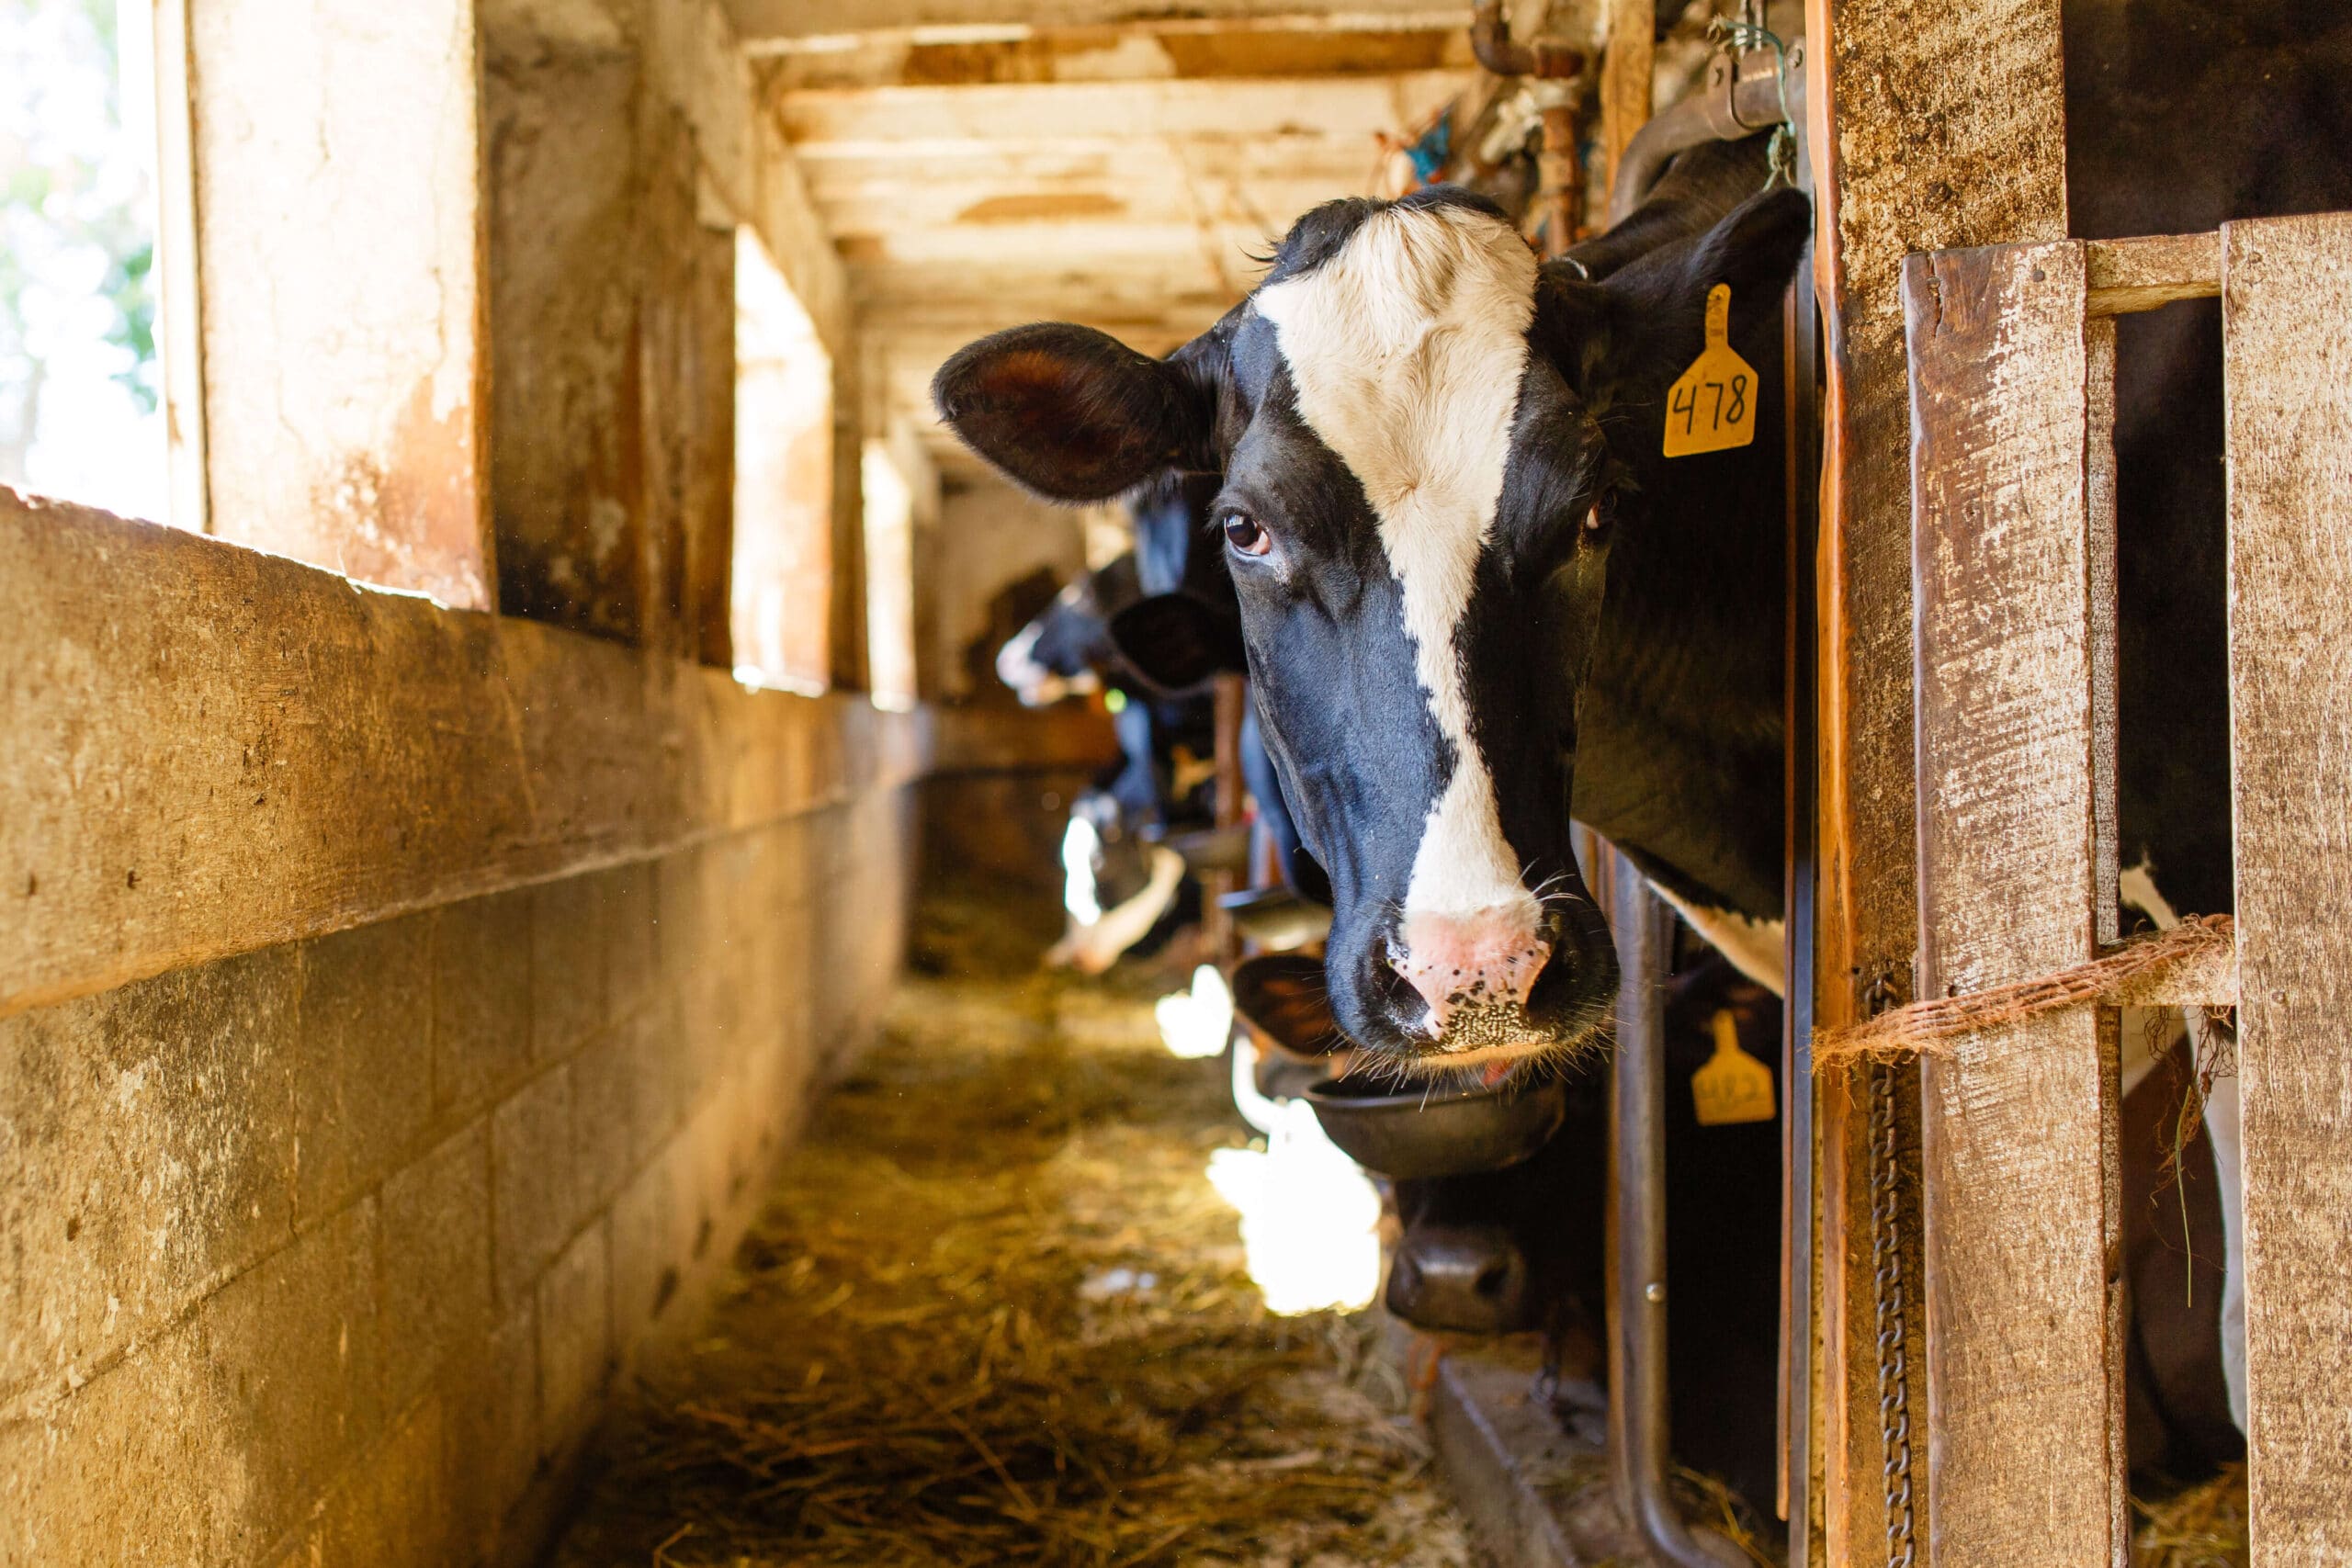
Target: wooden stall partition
<point x="1929" y="126"/>
<point x="2286" y="338"/>
<point x="2012" y="393"/>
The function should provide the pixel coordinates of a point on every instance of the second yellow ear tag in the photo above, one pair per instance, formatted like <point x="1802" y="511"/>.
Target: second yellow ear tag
<point x="1713" y="407"/>
<point x="1734" y="1086"/>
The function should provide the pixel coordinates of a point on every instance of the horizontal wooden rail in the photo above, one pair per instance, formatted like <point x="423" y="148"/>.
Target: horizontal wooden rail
<point x="211" y="750"/>
<point x="2129" y="276"/>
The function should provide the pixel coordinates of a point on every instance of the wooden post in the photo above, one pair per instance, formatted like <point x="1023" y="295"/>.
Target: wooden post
<point x="180" y="321"/>
<point x="1625" y="79"/>
<point x="1928" y="128"/>
<point x="1560" y="179"/>
<point x="1216" y="926"/>
<point x="2013" y="572"/>
<point x="334" y="154"/>
<point x="2287" y="339"/>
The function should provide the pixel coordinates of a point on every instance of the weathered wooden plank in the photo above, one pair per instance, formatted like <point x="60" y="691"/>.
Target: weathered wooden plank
<point x="179" y="324"/>
<point x="339" y="226"/>
<point x="1930" y="128"/>
<point x="2287" y="339"/>
<point x="2141" y="274"/>
<point x="878" y="201"/>
<point x="786" y="20"/>
<point x="917" y="120"/>
<point x="1149" y="49"/>
<point x="211" y="750"/>
<point x="2023" y="1358"/>
<point x="1625" y="79"/>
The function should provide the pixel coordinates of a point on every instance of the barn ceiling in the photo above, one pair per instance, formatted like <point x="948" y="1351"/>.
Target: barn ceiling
<point x="980" y="162"/>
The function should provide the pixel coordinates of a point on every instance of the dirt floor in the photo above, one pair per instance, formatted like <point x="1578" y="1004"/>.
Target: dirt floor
<point x="994" y="1313"/>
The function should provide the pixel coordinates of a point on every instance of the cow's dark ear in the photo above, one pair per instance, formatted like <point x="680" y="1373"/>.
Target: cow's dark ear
<point x="1176" y="642"/>
<point x="1285" y="997"/>
<point x="1070" y="412"/>
<point x="1755" y="248"/>
<point x="1629" y="335"/>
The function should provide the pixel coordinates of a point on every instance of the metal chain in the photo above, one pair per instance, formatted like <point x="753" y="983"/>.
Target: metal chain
<point x="1893" y="1361"/>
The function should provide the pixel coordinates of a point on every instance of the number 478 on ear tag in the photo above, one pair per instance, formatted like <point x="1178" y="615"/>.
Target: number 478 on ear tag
<point x="1713" y="407"/>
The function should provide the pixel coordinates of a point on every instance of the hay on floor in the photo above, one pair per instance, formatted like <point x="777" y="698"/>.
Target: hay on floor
<point x="2198" y="1527"/>
<point x="994" y="1313"/>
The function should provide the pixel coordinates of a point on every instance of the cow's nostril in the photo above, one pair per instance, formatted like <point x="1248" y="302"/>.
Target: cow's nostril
<point x="1492" y="1279"/>
<point x="1393" y="954"/>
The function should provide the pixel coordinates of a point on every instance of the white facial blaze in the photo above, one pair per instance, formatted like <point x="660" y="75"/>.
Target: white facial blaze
<point x="1407" y="348"/>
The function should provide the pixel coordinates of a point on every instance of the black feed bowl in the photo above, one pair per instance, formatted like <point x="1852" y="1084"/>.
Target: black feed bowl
<point x="1415" y="1130"/>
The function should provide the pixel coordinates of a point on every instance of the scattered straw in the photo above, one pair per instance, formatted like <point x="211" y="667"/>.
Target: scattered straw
<point x="2201" y="1526"/>
<point x="995" y="1314"/>
<point x="1929" y="1028"/>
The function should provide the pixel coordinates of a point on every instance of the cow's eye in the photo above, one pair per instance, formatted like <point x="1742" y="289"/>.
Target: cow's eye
<point x="1245" y="534"/>
<point x="1601" y="515"/>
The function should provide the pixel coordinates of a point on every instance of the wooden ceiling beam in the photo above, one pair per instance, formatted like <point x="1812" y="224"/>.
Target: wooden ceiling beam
<point x="766" y="25"/>
<point x="1207" y="52"/>
<point x="1075" y="116"/>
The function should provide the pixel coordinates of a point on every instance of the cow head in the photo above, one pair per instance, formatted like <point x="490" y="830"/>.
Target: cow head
<point x="1430" y="446"/>
<point x="1065" y="652"/>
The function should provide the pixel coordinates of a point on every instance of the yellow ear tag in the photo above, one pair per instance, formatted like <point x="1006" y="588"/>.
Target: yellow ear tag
<point x="1713" y="407"/>
<point x="1734" y="1086"/>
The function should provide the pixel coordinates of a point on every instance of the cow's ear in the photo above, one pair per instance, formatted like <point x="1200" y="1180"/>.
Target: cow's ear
<point x="1755" y="248"/>
<point x="1070" y="412"/>
<point x="1176" y="642"/>
<point x="1627" y="337"/>
<point x="1286" y="997"/>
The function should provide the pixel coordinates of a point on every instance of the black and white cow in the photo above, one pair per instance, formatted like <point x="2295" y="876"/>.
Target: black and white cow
<point x="1064" y="652"/>
<point x="1475" y="597"/>
<point x="1440" y="468"/>
<point x="1119" y="884"/>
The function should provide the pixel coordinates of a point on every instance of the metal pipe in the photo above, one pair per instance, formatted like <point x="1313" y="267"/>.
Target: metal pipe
<point x="1802" y="415"/>
<point x="1491" y="46"/>
<point x="1638" y="1452"/>
<point x="1728" y="105"/>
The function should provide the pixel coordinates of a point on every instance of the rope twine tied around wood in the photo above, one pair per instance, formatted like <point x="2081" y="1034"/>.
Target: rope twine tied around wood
<point x="1930" y="1028"/>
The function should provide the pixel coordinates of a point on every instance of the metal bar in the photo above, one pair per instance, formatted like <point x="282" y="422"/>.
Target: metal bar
<point x="1639" y="1457"/>
<point x="1734" y="102"/>
<point x="1492" y="47"/>
<point x="1802" y="422"/>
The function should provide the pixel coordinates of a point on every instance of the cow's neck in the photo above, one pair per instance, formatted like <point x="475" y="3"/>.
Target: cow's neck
<point x="1679" y="722"/>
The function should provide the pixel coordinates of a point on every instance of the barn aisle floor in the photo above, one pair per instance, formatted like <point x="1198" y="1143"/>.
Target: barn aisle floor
<point x="994" y="1313"/>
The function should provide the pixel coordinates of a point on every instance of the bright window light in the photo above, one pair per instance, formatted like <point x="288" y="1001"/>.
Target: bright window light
<point x="80" y="384"/>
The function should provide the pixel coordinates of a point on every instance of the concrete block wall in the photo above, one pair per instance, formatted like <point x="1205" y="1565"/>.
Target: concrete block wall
<point x="332" y="1252"/>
